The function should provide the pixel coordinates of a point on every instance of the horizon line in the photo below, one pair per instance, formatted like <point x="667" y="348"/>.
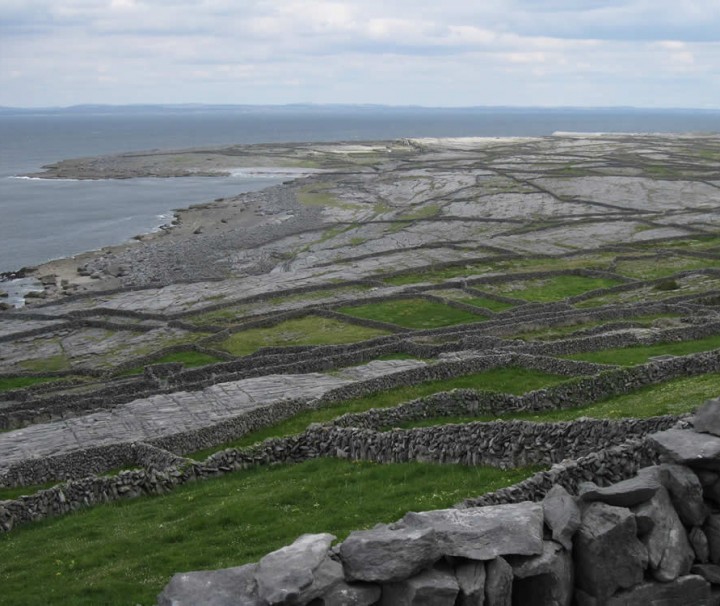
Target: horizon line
<point x="192" y="105"/>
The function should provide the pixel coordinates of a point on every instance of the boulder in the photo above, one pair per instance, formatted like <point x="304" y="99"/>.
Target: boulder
<point x="627" y="493"/>
<point x="608" y="555"/>
<point x="471" y="581"/>
<point x="429" y="588"/>
<point x="670" y="554"/>
<point x="562" y="515"/>
<point x="691" y="590"/>
<point x="685" y="491"/>
<point x="352" y="594"/>
<point x="388" y="553"/>
<point x="700" y="545"/>
<point x="298" y="573"/>
<point x="226" y="587"/>
<point x="482" y="533"/>
<point x="684" y="446"/>
<point x="707" y="417"/>
<point x="498" y="583"/>
<point x="543" y="580"/>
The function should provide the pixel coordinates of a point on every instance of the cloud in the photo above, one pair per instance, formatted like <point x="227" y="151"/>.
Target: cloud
<point x="455" y="53"/>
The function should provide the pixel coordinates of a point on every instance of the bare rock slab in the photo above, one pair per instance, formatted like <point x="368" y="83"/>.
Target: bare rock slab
<point x="669" y="551"/>
<point x="227" y="587"/>
<point x="483" y="533"/>
<point x="608" y="555"/>
<point x="562" y="515"/>
<point x="707" y="417"/>
<point x="387" y="553"/>
<point x="299" y="572"/>
<point x="429" y="588"/>
<point x="688" y="447"/>
<point x="691" y="590"/>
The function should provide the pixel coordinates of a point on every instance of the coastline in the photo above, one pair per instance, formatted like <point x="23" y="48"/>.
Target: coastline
<point x="199" y="232"/>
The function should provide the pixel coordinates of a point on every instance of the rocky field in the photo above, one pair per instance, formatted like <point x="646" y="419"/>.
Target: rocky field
<point x="409" y="301"/>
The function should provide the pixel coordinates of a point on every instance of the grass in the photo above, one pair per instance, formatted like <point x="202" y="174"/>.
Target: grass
<point x="659" y="267"/>
<point x="551" y="289"/>
<point x="413" y="313"/>
<point x="125" y="552"/>
<point x="487" y="303"/>
<point x="508" y="380"/>
<point x="9" y="383"/>
<point x="455" y="294"/>
<point x="554" y="332"/>
<point x="50" y="364"/>
<point x="318" y="195"/>
<point x="421" y="212"/>
<point x="310" y="330"/>
<point x="189" y="359"/>
<point x="639" y="354"/>
<point x="431" y="274"/>
<point x="673" y="397"/>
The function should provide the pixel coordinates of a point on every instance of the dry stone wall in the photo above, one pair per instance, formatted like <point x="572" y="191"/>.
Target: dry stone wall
<point x="653" y="538"/>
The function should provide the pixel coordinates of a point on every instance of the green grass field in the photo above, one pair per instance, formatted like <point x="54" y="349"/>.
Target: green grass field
<point x="629" y="356"/>
<point x="310" y="330"/>
<point x="9" y="383"/>
<point x="413" y="313"/>
<point x="670" y="398"/>
<point x="125" y="552"/>
<point x="551" y="289"/>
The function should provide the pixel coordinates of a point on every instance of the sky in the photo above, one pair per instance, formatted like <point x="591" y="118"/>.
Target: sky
<point x="449" y="53"/>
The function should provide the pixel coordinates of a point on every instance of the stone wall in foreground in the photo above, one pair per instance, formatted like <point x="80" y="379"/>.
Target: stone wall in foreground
<point x="653" y="538"/>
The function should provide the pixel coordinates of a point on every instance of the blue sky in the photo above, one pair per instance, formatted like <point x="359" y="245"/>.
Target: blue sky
<point x="648" y="53"/>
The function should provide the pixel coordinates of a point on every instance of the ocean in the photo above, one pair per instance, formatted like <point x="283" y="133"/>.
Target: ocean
<point x="46" y="219"/>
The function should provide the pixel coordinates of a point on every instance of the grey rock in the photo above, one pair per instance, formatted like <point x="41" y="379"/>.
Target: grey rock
<point x="482" y="533"/>
<point x="707" y="417"/>
<point x="498" y="583"/>
<point x="700" y="545"/>
<point x="683" y="446"/>
<point x="387" y="553"/>
<point x="712" y="532"/>
<point x="670" y="554"/>
<point x="226" y="587"/>
<point x="299" y="572"/>
<point x="429" y="588"/>
<point x="686" y="493"/>
<point x="709" y="572"/>
<point x="352" y="594"/>
<point x="691" y="590"/>
<point x="608" y="555"/>
<point x="562" y="515"/>
<point x="627" y="493"/>
<point x="471" y="581"/>
<point x="546" y="579"/>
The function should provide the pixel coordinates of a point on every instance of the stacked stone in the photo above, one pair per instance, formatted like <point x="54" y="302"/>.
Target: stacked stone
<point x="651" y="539"/>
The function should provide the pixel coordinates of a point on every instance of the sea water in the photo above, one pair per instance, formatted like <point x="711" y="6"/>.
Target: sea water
<point x="46" y="219"/>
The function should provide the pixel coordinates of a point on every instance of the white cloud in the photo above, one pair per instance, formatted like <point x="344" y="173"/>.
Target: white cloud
<point x="455" y="53"/>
